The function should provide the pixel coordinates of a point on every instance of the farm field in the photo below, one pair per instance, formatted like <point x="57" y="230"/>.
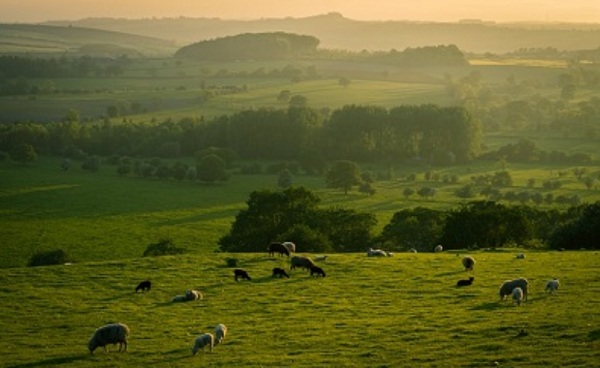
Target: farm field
<point x="399" y="311"/>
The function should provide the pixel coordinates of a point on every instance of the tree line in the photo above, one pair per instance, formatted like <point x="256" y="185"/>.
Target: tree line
<point x="295" y="214"/>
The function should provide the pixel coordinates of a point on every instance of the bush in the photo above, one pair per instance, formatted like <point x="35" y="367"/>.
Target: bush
<point x="162" y="248"/>
<point x="232" y="262"/>
<point x="48" y="258"/>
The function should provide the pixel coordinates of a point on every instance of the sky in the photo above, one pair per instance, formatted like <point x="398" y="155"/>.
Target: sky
<point x="32" y="11"/>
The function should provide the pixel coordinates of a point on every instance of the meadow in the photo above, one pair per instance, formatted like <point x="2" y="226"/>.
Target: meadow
<point x="400" y="311"/>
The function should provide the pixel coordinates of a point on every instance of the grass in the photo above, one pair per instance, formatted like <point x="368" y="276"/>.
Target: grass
<point x="375" y="312"/>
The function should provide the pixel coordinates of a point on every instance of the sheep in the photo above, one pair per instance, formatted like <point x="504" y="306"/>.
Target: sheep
<point x="190" y="295"/>
<point x="465" y="282"/>
<point x="202" y="341"/>
<point x="318" y="271"/>
<point x="438" y="248"/>
<point x="320" y="258"/>
<point x="299" y="261"/>
<point x="509" y="285"/>
<point x="552" y="286"/>
<point x="143" y="286"/>
<point x="291" y="247"/>
<point x="520" y="256"/>
<point x="280" y="272"/>
<point x="220" y="333"/>
<point x="517" y="295"/>
<point x="412" y="250"/>
<point x="376" y="253"/>
<point x="468" y="262"/>
<point x="278" y="248"/>
<point x="389" y="254"/>
<point x="241" y="273"/>
<point x="115" y="333"/>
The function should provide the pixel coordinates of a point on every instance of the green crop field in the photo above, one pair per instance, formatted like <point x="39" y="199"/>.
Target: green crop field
<point x="401" y="311"/>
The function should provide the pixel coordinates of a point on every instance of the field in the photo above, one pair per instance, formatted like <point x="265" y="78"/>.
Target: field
<point x="367" y="312"/>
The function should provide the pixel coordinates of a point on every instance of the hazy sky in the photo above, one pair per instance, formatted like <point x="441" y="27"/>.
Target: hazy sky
<point x="26" y="11"/>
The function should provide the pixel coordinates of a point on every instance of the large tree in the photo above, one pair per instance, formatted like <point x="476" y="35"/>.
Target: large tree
<point x="343" y="175"/>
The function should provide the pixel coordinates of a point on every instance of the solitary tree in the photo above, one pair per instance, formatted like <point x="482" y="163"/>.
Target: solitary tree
<point x="211" y="168"/>
<point x="23" y="153"/>
<point x="343" y="174"/>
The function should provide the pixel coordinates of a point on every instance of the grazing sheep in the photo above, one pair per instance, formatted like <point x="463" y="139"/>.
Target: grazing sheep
<point x="520" y="256"/>
<point x="143" y="286"/>
<point x="115" y="333"/>
<point x="291" y="247"/>
<point x="468" y="262"/>
<point x="465" y="282"/>
<point x="412" y="250"/>
<point x="241" y="273"/>
<point x="438" y="248"/>
<point x="202" y="341"/>
<point x="552" y="286"/>
<point x="320" y="258"/>
<point x="220" y="333"/>
<point x="278" y="248"/>
<point x="299" y="261"/>
<point x="376" y="253"/>
<point x="318" y="271"/>
<point x="517" y="295"/>
<point x="280" y="272"/>
<point x="509" y="285"/>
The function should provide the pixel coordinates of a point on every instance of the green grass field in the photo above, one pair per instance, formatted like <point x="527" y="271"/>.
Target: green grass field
<point x="402" y="311"/>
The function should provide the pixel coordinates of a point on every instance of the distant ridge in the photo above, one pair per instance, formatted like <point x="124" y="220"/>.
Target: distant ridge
<point x="337" y="32"/>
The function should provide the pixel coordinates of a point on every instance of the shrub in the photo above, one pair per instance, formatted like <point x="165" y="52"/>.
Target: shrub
<point x="162" y="248"/>
<point x="232" y="262"/>
<point x="48" y="258"/>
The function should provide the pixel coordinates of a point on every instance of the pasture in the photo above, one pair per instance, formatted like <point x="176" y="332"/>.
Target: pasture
<point x="367" y="312"/>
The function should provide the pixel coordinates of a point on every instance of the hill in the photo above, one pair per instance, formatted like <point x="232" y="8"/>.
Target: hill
<point x="74" y="40"/>
<point x="337" y="32"/>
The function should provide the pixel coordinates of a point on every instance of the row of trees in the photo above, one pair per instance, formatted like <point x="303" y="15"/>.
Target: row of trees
<point x="294" y="214"/>
<point x="443" y="135"/>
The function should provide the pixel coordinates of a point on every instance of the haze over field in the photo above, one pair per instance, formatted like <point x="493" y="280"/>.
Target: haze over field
<point x="30" y="11"/>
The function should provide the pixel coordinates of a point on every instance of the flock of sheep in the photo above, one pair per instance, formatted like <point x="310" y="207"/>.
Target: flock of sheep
<point x="118" y="333"/>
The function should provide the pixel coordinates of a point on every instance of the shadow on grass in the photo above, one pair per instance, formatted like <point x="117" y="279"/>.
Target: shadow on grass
<point x="488" y="306"/>
<point x="460" y="272"/>
<point x="594" y="335"/>
<point x="52" y="362"/>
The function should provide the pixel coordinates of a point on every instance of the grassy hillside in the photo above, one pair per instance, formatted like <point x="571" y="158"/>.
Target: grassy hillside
<point x="101" y="216"/>
<point x="385" y="312"/>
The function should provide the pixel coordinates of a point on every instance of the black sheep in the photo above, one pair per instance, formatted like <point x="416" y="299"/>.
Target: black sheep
<point x="318" y="271"/>
<point x="280" y="272"/>
<point x="241" y="273"/>
<point x="465" y="282"/>
<point x="143" y="286"/>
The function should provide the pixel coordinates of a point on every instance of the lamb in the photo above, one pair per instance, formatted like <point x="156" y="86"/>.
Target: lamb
<point x="318" y="271"/>
<point x="220" y="333"/>
<point x="465" y="282"/>
<point x="241" y="273"/>
<point x="280" y="272"/>
<point x="320" y="258"/>
<point x="517" y="295"/>
<point x="190" y="295"/>
<point x="438" y="248"/>
<point x="143" y="286"/>
<point x="552" y="286"/>
<point x="115" y="333"/>
<point x="509" y="285"/>
<point x="468" y="262"/>
<point x="202" y="341"/>
<point x="299" y="261"/>
<point x="376" y="253"/>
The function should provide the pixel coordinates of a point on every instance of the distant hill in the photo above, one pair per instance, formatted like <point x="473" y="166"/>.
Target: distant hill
<point x="337" y="32"/>
<point x="52" y="39"/>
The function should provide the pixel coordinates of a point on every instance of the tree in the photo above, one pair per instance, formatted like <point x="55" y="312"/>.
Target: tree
<point x="408" y="192"/>
<point x="92" y="163"/>
<point x="211" y="168"/>
<point x="417" y="228"/>
<point x="344" y="82"/>
<point x="23" y="153"/>
<point x="343" y="175"/>
<point x="581" y="232"/>
<point x="298" y="101"/>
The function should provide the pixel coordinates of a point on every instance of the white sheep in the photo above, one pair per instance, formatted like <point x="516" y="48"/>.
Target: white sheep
<point x="468" y="262"/>
<point x="376" y="253"/>
<point x="192" y="294"/>
<point x="412" y="250"/>
<point x="509" y="285"/>
<point x="220" y="333"/>
<point x="320" y="258"/>
<point x="291" y="247"/>
<point x="115" y="333"/>
<point x="517" y="295"/>
<point x="552" y="286"/>
<point x="438" y="248"/>
<point x="202" y="341"/>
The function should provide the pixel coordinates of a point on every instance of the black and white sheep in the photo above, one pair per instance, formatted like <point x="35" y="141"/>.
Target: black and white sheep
<point x="552" y="286"/>
<point x="509" y="285"/>
<point x="114" y="333"/>
<point x="300" y="261"/>
<point x="465" y="282"/>
<point x="317" y="271"/>
<point x="520" y="256"/>
<point x="280" y="272"/>
<point x="202" y="341"/>
<point x="468" y="262"/>
<point x="278" y="248"/>
<point x="517" y="295"/>
<point x="143" y="286"/>
<point x="220" y="333"/>
<point x="239" y="273"/>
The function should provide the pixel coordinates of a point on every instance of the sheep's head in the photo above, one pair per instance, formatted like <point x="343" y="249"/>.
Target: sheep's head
<point x="92" y="345"/>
